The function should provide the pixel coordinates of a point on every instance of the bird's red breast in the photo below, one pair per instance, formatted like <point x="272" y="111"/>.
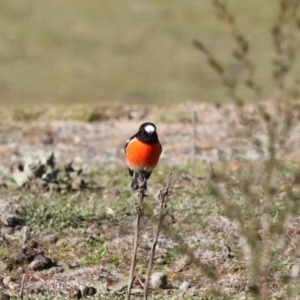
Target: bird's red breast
<point x="141" y="156"/>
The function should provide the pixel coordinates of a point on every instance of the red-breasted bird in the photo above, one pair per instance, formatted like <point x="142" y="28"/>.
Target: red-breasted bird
<point x="142" y="152"/>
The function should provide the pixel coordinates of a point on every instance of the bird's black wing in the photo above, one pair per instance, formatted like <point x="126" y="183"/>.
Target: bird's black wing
<point x="128" y="141"/>
<point x="125" y="148"/>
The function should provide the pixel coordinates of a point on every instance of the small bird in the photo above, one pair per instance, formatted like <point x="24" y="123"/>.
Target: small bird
<point x="142" y="152"/>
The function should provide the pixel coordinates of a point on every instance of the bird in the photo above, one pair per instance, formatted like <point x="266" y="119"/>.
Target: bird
<point x="142" y="152"/>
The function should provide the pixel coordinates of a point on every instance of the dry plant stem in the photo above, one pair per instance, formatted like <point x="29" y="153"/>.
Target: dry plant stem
<point x="266" y="216"/>
<point x="235" y="214"/>
<point x="284" y="44"/>
<point x="22" y="286"/>
<point x="25" y="235"/>
<point x="142" y="193"/>
<point x="163" y="199"/>
<point x="194" y="125"/>
<point x="278" y="125"/>
<point x="241" y="53"/>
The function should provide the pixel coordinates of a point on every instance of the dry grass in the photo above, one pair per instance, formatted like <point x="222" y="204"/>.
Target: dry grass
<point x="199" y="242"/>
<point x="77" y="52"/>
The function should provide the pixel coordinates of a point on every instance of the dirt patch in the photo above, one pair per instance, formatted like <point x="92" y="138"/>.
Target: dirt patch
<point x="96" y="144"/>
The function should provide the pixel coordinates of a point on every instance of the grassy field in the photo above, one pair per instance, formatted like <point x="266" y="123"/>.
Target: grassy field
<point x="66" y="52"/>
<point x="92" y="229"/>
<point x="232" y="225"/>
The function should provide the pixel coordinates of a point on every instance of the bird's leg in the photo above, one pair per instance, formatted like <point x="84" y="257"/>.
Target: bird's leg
<point x="142" y="180"/>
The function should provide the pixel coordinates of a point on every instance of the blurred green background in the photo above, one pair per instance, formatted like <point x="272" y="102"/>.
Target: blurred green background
<point x="129" y="51"/>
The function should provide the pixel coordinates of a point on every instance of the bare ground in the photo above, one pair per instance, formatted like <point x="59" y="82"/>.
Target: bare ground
<point x="93" y="145"/>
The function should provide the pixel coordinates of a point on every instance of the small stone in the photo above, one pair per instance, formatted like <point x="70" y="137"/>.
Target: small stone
<point x="36" y="265"/>
<point x="73" y="265"/>
<point x="54" y="187"/>
<point x="27" y="254"/>
<point x="75" y="294"/>
<point x="20" y="270"/>
<point x="137" y="114"/>
<point x="78" y="183"/>
<point x="5" y="266"/>
<point x="185" y="286"/>
<point x="115" y="287"/>
<point x="7" y="280"/>
<point x="25" y="235"/>
<point x="11" y="220"/>
<point x="160" y="261"/>
<point x="62" y="264"/>
<point x="32" y="244"/>
<point x="49" y="239"/>
<point x="89" y="291"/>
<point x="295" y="271"/>
<point x="254" y="289"/>
<point x="20" y="177"/>
<point x="13" y="286"/>
<point x="90" y="238"/>
<point x="46" y="260"/>
<point x="55" y="270"/>
<point x="7" y="230"/>
<point x="40" y="262"/>
<point x="158" y="280"/>
<point x="39" y="183"/>
<point x="77" y="139"/>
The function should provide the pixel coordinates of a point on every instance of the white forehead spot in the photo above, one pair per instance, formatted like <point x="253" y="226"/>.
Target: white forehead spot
<point x="150" y="128"/>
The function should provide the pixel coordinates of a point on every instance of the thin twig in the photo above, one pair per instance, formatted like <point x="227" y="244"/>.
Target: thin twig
<point x="22" y="286"/>
<point x="162" y="197"/>
<point x="194" y="126"/>
<point x="25" y="235"/>
<point x="142" y="193"/>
